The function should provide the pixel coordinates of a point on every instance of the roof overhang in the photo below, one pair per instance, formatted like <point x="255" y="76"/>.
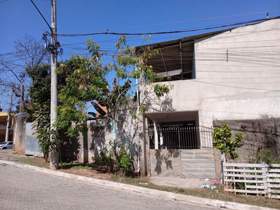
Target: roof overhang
<point x="195" y="37"/>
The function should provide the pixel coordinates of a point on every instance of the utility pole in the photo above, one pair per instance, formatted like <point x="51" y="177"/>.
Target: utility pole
<point x="9" y="118"/>
<point x="53" y="154"/>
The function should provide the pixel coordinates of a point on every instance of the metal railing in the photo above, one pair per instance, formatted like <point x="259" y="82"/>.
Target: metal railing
<point x="187" y="137"/>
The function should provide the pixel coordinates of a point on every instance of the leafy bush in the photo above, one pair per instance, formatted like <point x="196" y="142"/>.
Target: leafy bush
<point x="105" y="158"/>
<point x="125" y="162"/>
<point x="226" y="142"/>
<point x="116" y="159"/>
<point x="161" y="90"/>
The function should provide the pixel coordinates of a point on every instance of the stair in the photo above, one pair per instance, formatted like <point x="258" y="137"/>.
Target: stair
<point x="198" y="163"/>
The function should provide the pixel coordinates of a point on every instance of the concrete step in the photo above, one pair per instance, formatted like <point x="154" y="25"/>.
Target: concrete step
<point x="195" y="151"/>
<point x="206" y="172"/>
<point x="198" y="165"/>
<point x="199" y="169"/>
<point x="198" y="174"/>
<point x="195" y="154"/>
<point x="209" y="168"/>
<point x="200" y="154"/>
<point x="202" y="158"/>
<point x="195" y="160"/>
<point x="201" y="165"/>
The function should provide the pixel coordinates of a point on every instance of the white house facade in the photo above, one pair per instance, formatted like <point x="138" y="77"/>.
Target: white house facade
<point x="226" y="75"/>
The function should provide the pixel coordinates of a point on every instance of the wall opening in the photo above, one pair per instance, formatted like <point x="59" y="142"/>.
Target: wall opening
<point x="174" y="62"/>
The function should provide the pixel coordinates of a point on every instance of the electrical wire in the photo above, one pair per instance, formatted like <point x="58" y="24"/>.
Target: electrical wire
<point x="41" y="14"/>
<point x="230" y="26"/>
<point x="206" y="19"/>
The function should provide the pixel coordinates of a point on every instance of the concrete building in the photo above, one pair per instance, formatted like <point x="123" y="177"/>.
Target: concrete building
<point x="225" y="75"/>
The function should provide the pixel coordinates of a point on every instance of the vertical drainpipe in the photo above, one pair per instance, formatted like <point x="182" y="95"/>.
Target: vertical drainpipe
<point x="156" y="135"/>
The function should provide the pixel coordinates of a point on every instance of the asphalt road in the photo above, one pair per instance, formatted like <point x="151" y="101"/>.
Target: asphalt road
<point x="25" y="189"/>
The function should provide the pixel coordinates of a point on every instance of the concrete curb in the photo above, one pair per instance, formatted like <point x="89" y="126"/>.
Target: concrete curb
<point x="157" y="194"/>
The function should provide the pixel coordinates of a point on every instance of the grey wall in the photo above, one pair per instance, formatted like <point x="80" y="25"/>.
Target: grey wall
<point x="197" y="163"/>
<point x="99" y="136"/>
<point x="258" y="134"/>
<point x="25" y="141"/>
<point x="166" y="163"/>
<point x="19" y="133"/>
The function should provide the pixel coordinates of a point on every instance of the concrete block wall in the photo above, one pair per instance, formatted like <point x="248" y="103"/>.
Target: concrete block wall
<point x="197" y="163"/>
<point x="258" y="134"/>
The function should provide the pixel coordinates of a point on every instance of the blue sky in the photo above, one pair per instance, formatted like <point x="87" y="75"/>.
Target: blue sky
<point x="18" y="18"/>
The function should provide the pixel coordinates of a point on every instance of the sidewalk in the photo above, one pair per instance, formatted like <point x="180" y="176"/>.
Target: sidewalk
<point x="178" y="182"/>
<point x="12" y="159"/>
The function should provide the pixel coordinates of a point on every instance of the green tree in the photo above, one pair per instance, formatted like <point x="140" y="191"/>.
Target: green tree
<point x="82" y="79"/>
<point x="39" y="105"/>
<point x="226" y="142"/>
<point x="85" y="81"/>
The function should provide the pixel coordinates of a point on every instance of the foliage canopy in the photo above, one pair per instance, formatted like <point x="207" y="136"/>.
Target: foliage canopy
<point x="226" y="142"/>
<point x="83" y="79"/>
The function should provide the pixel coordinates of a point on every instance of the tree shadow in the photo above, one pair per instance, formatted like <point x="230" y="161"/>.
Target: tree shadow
<point x="69" y="150"/>
<point x="165" y="157"/>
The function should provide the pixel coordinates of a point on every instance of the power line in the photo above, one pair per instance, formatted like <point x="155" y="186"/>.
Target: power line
<point x="207" y="19"/>
<point x="41" y="14"/>
<point x="232" y="25"/>
<point x="68" y="45"/>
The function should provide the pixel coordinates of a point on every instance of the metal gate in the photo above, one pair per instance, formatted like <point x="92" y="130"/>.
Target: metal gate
<point x="176" y="135"/>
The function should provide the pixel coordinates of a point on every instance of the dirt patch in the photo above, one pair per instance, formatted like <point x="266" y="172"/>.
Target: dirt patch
<point x="88" y="173"/>
<point x="10" y="155"/>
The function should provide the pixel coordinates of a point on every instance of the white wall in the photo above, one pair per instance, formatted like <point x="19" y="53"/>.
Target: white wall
<point x="241" y="84"/>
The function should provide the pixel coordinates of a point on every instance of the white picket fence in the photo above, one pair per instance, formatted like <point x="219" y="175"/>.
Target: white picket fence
<point x="252" y="179"/>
